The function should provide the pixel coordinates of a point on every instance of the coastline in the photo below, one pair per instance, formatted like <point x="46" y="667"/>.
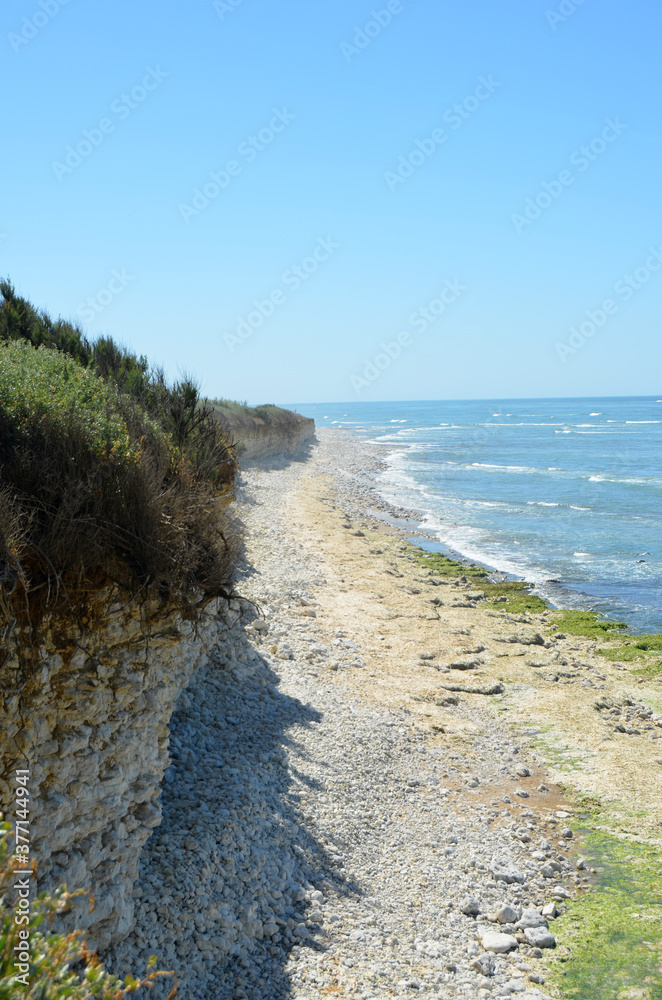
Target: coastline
<point x="512" y="490"/>
<point x="376" y="745"/>
<point x="626" y="769"/>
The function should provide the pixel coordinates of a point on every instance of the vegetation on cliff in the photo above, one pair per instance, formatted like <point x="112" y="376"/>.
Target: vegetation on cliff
<point x="59" y="966"/>
<point x="240" y="421"/>
<point x="107" y="473"/>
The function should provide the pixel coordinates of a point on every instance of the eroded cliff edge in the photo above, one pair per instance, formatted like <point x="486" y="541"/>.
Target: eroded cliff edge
<point x="91" y="721"/>
<point x="265" y="431"/>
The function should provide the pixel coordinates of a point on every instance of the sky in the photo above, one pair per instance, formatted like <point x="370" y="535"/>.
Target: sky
<point x="305" y="202"/>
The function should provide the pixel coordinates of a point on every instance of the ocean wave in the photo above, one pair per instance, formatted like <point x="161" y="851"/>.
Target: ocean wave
<point x="503" y="468"/>
<point x="544" y="423"/>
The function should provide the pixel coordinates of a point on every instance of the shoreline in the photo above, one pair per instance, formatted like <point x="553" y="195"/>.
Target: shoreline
<point x="370" y="745"/>
<point x="559" y="595"/>
<point x="573" y="648"/>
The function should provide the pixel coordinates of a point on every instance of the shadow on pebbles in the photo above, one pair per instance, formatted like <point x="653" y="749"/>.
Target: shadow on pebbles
<point x="313" y="845"/>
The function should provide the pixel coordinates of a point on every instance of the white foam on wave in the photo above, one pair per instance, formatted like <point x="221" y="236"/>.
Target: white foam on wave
<point x="545" y="423"/>
<point x="502" y="468"/>
<point x="473" y="544"/>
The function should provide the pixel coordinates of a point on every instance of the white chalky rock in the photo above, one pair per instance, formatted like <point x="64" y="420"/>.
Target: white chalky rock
<point x="504" y="870"/>
<point x="531" y="918"/>
<point x="498" y="943"/>
<point x="540" y="937"/>
<point x="505" y="914"/>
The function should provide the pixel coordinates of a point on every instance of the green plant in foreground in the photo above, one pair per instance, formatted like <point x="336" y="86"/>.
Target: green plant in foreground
<point x="61" y="967"/>
<point x="44" y="388"/>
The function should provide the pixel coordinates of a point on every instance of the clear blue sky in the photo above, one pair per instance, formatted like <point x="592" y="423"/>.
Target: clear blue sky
<point x="359" y="103"/>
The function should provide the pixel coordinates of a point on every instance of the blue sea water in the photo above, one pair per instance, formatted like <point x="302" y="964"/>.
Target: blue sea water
<point x="566" y="490"/>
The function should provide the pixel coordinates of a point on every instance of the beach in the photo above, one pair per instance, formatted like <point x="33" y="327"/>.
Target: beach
<point x="379" y="767"/>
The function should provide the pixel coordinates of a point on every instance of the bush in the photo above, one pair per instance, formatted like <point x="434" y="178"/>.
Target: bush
<point x="95" y="488"/>
<point x="51" y="976"/>
<point x="233" y="415"/>
<point x="177" y="408"/>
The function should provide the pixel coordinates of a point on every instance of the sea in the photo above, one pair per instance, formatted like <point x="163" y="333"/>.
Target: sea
<point x="563" y="493"/>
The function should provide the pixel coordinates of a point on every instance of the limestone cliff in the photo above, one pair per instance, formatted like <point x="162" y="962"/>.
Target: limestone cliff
<point x="91" y="720"/>
<point x="287" y="433"/>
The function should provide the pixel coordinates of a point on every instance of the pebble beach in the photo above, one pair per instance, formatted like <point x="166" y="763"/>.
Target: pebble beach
<point x="356" y="805"/>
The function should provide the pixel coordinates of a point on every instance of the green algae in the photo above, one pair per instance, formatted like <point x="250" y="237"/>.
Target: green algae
<point x="586" y="623"/>
<point x="514" y="596"/>
<point x="561" y="758"/>
<point x="642" y="650"/>
<point x="611" y="938"/>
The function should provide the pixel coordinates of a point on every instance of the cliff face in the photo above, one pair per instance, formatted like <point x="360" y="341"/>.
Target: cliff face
<point x="257" y="438"/>
<point x="92" y="723"/>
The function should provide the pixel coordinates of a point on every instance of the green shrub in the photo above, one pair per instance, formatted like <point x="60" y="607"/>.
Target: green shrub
<point x="177" y="408"/>
<point x="19" y="320"/>
<point x="61" y="966"/>
<point x="93" y="487"/>
<point x="43" y="389"/>
<point x="274" y="416"/>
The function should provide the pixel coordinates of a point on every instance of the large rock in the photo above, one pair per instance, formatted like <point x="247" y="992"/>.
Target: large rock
<point x="505" y="914"/>
<point x="531" y="918"/>
<point x="485" y="964"/>
<point x="470" y="906"/>
<point x="504" y="870"/>
<point x="524" y="639"/>
<point x="498" y="943"/>
<point x="540" y="937"/>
